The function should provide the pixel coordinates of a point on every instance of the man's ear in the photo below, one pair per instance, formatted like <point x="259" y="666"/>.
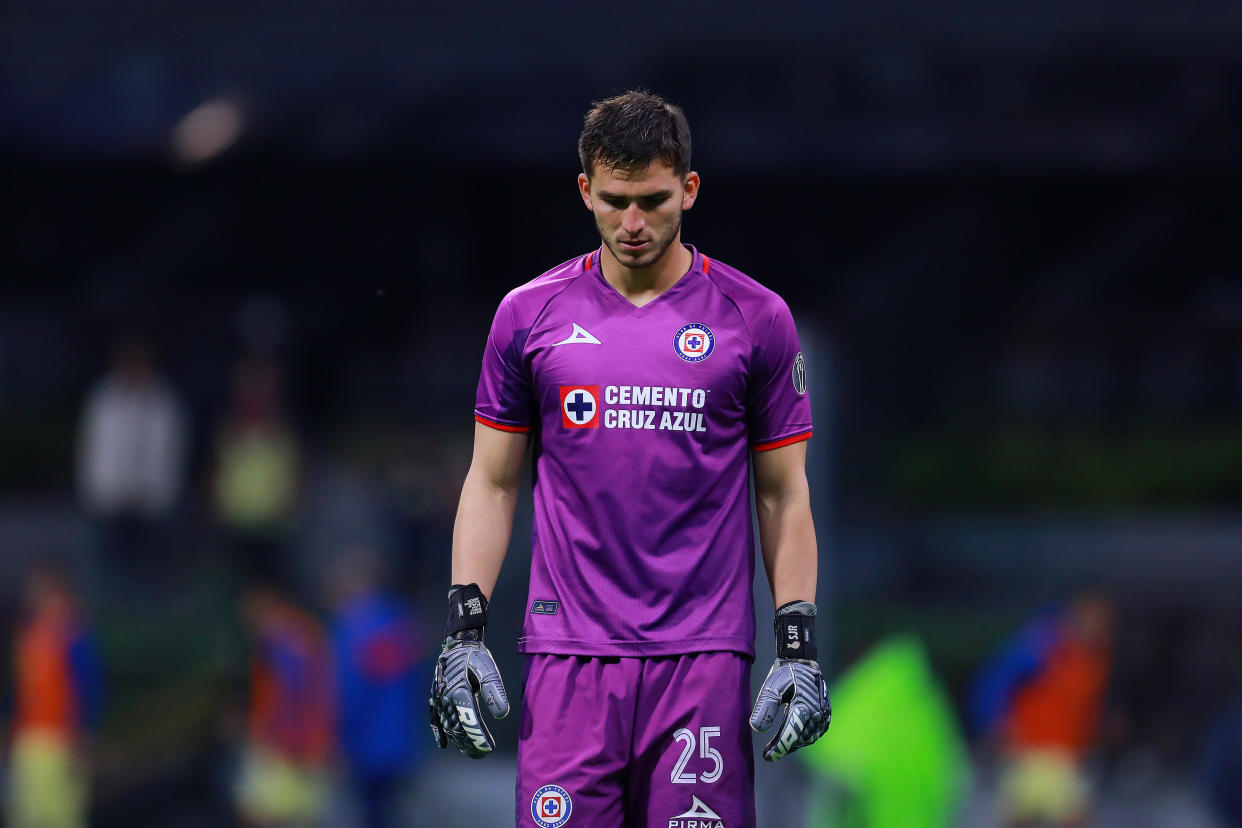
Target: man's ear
<point x="584" y="190"/>
<point x="690" y="190"/>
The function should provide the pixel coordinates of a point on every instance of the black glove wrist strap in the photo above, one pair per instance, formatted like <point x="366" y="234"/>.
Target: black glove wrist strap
<point x="467" y="614"/>
<point x="795" y="631"/>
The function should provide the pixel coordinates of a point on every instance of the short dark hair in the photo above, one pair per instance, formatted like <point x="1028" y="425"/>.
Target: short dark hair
<point x="634" y="129"/>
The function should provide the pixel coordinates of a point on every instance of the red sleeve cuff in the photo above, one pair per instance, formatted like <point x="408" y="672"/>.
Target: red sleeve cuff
<point x="478" y="418"/>
<point x="784" y="441"/>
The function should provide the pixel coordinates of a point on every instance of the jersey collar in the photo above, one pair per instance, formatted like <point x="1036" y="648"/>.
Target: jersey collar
<point x="699" y="264"/>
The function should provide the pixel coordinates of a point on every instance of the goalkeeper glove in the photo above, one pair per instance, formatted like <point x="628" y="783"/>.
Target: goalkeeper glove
<point x="793" y="686"/>
<point x="465" y="670"/>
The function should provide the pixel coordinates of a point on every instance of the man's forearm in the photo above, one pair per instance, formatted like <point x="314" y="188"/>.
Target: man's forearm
<point x="794" y="695"/>
<point x="481" y="531"/>
<point x="787" y="537"/>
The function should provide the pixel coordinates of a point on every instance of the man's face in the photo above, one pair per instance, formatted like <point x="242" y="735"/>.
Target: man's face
<point x="638" y="209"/>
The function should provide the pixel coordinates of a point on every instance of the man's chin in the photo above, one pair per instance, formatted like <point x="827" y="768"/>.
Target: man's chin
<point x="637" y="259"/>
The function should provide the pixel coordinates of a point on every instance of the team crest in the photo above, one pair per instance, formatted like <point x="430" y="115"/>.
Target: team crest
<point x="694" y="342"/>
<point x="551" y="806"/>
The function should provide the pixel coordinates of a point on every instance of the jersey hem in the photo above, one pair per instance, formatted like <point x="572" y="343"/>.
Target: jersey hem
<point x="479" y="418"/>
<point x="683" y="646"/>
<point x="768" y="445"/>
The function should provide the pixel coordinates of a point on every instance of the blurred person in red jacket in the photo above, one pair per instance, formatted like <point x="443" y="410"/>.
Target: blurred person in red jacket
<point x="1040" y="701"/>
<point x="291" y="723"/>
<point x="57" y="702"/>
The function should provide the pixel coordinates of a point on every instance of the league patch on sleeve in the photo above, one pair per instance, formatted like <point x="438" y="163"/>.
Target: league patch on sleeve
<point x="799" y="374"/>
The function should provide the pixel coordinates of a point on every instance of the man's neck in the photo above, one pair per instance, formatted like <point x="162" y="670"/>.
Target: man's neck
<point x="642" y="285"/>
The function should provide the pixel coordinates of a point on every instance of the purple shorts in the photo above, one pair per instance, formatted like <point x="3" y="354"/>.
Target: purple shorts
<point x="636" y="742"/>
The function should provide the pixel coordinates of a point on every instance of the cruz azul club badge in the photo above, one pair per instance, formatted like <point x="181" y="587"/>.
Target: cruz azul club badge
<point x="551" y="806"/>
<point x="694" y="342"/>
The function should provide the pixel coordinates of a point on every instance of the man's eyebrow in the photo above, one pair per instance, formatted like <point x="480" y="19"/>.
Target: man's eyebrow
<point x="660" y="194"/>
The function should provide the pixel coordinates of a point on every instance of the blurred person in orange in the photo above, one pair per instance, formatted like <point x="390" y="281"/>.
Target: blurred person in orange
<point x="257" y="459"/>
<point x="1040" y="702"/>
<point x="131" y="454"/>
<point x="57" y="704"/>
<point x="382" y="667"/>
<point x="291" y="724"/>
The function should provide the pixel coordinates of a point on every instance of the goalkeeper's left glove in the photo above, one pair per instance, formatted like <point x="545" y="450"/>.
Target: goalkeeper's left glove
<point x="794" y="685"/>
<point x="465" y="670"/>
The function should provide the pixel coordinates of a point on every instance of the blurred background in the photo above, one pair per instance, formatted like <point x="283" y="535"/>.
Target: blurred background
<point x="250" y="256"/>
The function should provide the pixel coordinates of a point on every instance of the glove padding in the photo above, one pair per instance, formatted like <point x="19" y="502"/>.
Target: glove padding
<point x="797" y="687"/>
<point x="464" y="671"/>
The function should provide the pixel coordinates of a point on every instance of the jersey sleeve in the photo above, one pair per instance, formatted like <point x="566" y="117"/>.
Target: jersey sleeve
<point x="778" y="408"/>
<point x="504" y="400"/>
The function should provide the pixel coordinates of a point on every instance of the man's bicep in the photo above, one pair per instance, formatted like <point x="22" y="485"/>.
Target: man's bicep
<point x="780" y="471"/>
<point x="504" y="398"/>
<point x="498" y="455"/>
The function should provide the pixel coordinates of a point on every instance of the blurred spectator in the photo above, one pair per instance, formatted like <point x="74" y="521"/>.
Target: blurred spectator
<point x="256" y="476"/>
<point x="131" y="453"/>
<point x="57" y="701"/>
<point x="894" y="757"/>
<point x="1222" y="767"/>
<point x="379" y="654"/>
<point x="1040" y="700"/>
<point x="283" y="780"/>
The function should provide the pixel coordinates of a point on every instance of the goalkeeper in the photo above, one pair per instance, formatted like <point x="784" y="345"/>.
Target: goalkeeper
<point x="650" y="380"/>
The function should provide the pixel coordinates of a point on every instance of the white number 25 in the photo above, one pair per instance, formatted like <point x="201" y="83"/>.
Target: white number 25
<point x="706" y="751"/>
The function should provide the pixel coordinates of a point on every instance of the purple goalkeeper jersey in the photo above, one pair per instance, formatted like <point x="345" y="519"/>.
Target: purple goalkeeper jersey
<point x="643" y="420"/>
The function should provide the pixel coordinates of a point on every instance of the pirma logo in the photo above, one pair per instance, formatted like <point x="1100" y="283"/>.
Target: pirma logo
<point x="580" y="336"/>
<point x="580" y="406"/>
<point x="699" y="816"/>
<point x="694" y="342"/>
<point x="544" y="607"/>
<point x="551" y="806"/>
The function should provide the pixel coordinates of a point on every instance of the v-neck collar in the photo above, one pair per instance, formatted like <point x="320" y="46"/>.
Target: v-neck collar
<point x="699" y="264"/>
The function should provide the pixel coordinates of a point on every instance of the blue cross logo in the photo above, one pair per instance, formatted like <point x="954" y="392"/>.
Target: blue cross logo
<point x="694" y="342"/>
<point x="580" y="407"/>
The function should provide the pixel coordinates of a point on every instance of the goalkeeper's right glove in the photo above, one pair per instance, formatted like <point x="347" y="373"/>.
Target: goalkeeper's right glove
<point x="465" y="670"/>
<point x="794" y="690"/>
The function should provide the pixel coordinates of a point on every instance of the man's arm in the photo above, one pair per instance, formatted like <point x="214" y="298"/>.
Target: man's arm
<point x="465" y="669"/>
<point x="485" y="511"/>
<point x="786" y="530"/>
<point x="794" y="691"/>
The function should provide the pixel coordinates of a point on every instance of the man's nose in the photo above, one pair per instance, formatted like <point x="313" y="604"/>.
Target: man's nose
<point x="632" y="221"/>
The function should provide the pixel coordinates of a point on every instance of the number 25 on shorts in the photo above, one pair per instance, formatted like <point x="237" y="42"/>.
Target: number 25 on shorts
<point x="680" y="776"/>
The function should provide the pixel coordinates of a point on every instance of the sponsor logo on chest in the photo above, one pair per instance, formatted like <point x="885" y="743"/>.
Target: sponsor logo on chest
<point x="639" y="407"/>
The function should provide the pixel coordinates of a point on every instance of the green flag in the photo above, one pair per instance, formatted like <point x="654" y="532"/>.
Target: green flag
<point x="894" y="756"/>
